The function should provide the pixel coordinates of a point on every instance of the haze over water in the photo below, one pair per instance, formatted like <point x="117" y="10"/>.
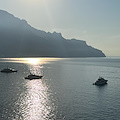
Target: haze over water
<point x="64" y="93"/>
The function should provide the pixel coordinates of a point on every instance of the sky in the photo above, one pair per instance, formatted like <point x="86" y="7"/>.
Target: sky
<point x="95" y="21"/>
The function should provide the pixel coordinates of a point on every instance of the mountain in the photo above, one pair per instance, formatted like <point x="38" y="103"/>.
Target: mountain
<point x="19" y="39"/>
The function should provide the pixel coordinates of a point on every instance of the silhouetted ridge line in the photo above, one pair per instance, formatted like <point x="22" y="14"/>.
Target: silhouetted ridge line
<point x="19" y="39"/>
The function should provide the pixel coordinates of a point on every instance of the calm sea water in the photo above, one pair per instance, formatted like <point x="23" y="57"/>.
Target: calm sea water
<point x="64" y="93"/>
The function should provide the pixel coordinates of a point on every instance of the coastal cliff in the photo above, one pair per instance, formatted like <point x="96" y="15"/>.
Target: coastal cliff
<point x="19" y="39"/>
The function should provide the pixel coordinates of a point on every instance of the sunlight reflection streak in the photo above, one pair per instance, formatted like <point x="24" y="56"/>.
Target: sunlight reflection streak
<point x="35" y="103"/>
<point x="32" y="61"/>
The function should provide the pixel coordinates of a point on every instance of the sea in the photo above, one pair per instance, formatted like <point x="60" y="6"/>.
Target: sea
<point x="66" y="91"/>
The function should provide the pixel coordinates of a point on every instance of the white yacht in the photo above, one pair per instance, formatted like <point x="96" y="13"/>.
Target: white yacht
<point x="8" y="70"/>
<point x="32" y="76"/>
<point x="101" y="81"/>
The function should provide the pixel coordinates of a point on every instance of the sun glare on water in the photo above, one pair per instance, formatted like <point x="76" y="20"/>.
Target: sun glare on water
<point x="36" y="61"/>
<point x="33" y="61"/>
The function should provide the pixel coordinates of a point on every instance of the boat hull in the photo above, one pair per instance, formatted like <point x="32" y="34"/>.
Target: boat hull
<point x="100" y="82"/>
<point x="8" y="71"/>
<point x="33" y="77"/>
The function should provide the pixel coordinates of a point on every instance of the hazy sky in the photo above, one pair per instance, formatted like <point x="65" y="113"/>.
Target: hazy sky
<point x="95" y="21"/>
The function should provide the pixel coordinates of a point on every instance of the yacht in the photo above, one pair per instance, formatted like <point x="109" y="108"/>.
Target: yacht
<point x="100" y="82"/>
<point x="8" y="70"/>
<point x="32" y="76"/>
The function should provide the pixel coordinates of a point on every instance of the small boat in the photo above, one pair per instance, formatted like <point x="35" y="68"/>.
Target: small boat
<point x="100" y="82"/>
<point x="32" y="76"/>
<point x="8" y="70"/>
